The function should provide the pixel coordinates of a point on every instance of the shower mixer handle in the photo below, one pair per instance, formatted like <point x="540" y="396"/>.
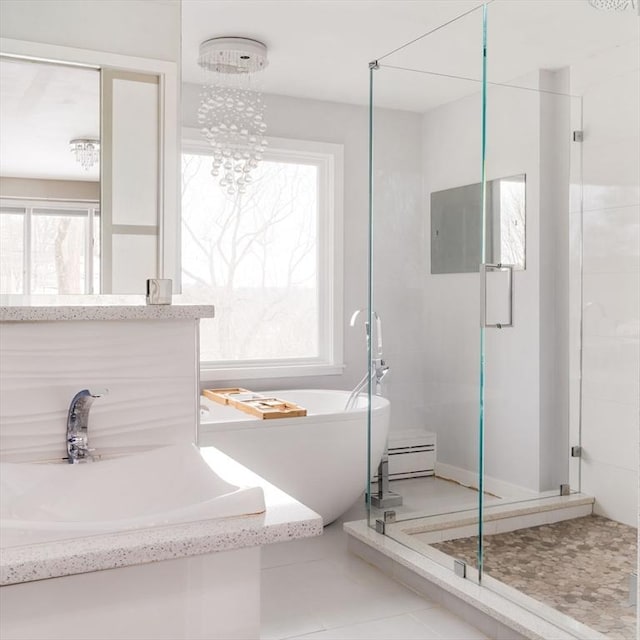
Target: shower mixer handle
<point x="378" y="367"/>
<point x="367" y="326"/>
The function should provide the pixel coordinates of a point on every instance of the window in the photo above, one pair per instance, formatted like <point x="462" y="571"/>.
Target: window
<point x="270" y="259"/>
<point x="49" y="247"/>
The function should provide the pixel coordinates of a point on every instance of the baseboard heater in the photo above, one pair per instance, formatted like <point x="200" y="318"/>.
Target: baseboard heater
<point x="412" y="454"/>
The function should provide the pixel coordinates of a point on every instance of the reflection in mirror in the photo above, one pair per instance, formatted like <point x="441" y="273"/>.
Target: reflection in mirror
<point x="88" y="200"/>
<point x="50" y="194"/>
<point x="456" y="226"/>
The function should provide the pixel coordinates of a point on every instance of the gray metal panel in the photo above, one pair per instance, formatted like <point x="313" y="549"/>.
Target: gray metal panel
<point x="456" y="227"/>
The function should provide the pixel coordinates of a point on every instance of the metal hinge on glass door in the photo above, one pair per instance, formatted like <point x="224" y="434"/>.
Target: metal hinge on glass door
<point x="484" y="267"/>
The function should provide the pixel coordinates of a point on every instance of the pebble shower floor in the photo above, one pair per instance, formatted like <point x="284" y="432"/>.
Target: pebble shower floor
<point x="580" y="567"/>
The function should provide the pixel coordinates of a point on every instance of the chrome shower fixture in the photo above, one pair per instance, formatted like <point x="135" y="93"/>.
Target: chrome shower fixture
<point x="613" y="5"/>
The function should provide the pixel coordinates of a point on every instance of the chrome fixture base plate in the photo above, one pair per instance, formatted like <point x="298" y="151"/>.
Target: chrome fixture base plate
<point x="233" y="55"/>
<point x="389" y="499"/>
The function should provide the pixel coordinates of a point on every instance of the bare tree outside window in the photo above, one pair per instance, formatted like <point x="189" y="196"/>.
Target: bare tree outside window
<point x="256" y="256"/>
<point x="512" y="221"/>
<point x="58" y="254"/>
<point x="43" y="248"/>
<point x="11" y="252"/>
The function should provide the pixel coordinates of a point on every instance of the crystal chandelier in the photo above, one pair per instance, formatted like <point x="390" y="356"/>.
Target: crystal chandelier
<point x="86" y="151"/>
<point x="231" y="108"/>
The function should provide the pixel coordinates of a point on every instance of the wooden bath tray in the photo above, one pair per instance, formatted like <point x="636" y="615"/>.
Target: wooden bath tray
<point x="255" y="404"/>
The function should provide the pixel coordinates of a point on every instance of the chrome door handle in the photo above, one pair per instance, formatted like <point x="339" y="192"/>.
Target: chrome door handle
<point x="484" y="267"/>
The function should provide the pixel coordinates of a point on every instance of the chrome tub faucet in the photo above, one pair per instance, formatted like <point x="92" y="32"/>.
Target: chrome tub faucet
<point x="379" y="367"/>
<point x="77" y="425"/>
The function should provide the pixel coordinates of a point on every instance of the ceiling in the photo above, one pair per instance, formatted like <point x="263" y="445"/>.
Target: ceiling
<point x="321" y="48"/>
<point x="42" y="107"/>
<point x="317" y="49"/>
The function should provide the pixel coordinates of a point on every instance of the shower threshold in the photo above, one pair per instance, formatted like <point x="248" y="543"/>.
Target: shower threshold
<point x="406" y="552"/>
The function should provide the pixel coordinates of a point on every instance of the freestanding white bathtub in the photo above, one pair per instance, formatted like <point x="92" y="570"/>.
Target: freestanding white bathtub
<point x="319" y="459"/>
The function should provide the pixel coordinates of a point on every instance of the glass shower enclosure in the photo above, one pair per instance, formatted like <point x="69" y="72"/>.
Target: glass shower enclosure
<point x="483" y="304"/>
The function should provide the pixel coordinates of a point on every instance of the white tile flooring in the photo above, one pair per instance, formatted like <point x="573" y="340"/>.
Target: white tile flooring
<point x="314" y="588"/>
<point x="431" y="496"/>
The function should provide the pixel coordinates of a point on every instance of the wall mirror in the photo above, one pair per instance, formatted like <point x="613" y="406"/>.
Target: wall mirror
<point x="88" y="171"/>
<point x="456" y="225"/>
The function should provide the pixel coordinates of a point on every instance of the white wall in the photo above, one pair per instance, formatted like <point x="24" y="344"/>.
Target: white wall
<point x="49" y="189"/>
<point x="610" y="84"/>
<point x="398" y="148"/>
<point x="145" y="28"/>
<point x="554" y="312"/>
<point x="152" y="398"/>
<point x="526" y="425"/>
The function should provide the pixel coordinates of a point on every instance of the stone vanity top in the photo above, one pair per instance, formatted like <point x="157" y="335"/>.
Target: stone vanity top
<point x="17" y="308"/>
<point x="284" y="519"/>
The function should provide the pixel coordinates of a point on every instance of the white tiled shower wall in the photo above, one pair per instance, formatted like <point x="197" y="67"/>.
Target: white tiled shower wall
<point x="525" y="434"/>
<point x="610" y="85"/>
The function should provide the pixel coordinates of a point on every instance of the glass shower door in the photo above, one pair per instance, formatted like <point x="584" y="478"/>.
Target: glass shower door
<point x="425" y="249"/>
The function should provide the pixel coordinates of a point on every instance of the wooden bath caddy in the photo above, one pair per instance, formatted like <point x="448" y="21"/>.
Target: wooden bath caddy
<point x="253" y="403"/>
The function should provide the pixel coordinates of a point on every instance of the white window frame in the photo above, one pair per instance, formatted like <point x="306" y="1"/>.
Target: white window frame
<point x="88" y="209"/>
<point x="329" y="158"/>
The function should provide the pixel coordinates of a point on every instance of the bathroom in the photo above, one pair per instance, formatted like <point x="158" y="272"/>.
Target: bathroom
<point x="568" y="366"/>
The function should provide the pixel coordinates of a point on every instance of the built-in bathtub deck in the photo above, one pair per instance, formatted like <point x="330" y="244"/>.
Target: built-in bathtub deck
<point x="284" y="519"/>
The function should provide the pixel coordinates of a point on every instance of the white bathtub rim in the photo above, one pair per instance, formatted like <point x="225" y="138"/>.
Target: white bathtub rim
<point x="235" y="504"/>
<point x="240" y="420"/>
<point x="285" y="519"/>
<point x="211" y="497"/>
<point x="319" y="459"/>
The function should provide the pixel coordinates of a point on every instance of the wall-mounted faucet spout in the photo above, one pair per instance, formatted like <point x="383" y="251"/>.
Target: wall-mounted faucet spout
<point x="78" y="423"/>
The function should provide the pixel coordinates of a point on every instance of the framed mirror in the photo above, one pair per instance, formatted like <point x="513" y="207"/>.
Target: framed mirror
<point x="456" y="225"/>
<point x="88" y="171"/>
<point x="49" y="178"/>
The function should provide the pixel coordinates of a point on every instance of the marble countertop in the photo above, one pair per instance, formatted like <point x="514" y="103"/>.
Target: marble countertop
<point x="284" y="519"/>
<point x="16" y="308"/>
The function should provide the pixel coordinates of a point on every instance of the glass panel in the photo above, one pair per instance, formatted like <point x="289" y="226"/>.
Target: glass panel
<point x="257" y="254"/>
<point x="541" y="400"/>
<point x="58" y="247"/>
<point x="11" y="250"/>
<point x="559" y="350"/>
<point x="430" y="319"/>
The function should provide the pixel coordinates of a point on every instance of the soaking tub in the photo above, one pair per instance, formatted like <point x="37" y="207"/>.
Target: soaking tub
<point x="319" y="459"/>
<point x="46" y="502"/>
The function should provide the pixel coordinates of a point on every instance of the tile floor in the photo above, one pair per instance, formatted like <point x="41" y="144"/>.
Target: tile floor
<point x="423" y="497"/>
<point x="314" y="588"/>
<point x="580" y="567"/>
